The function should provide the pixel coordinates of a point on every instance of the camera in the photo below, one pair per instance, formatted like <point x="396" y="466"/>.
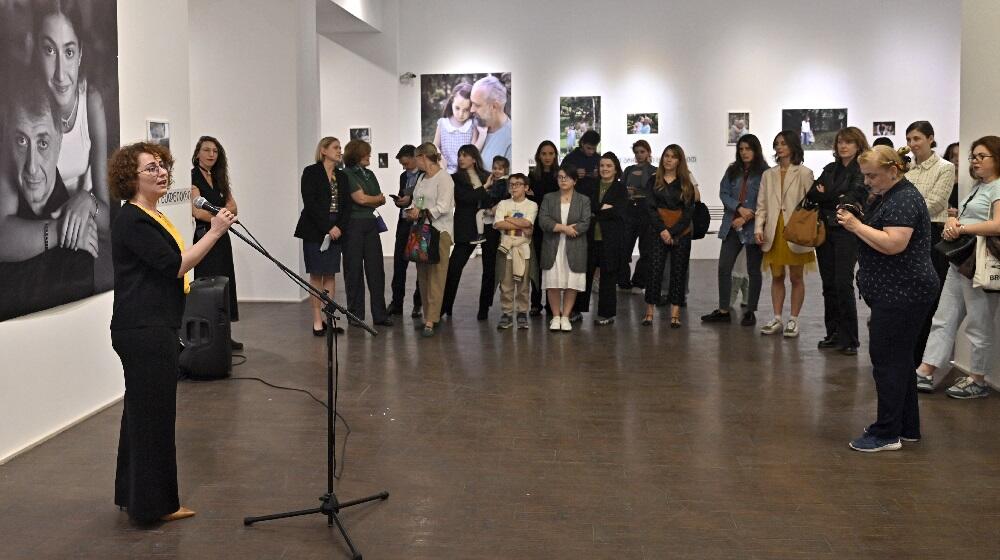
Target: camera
<point x="853" y="209"/>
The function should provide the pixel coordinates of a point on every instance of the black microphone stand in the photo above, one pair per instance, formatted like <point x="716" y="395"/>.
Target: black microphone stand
<point x="330" y="505"/>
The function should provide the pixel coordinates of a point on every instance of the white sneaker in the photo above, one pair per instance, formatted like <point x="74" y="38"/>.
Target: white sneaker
<point x="792" y="329"/>
<point x="774" y="327"/>
<point x="566" y="325"/>
<point x="556" y="323"/>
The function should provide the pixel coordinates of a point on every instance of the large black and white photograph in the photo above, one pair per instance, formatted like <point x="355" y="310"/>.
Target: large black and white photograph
<point x="361" y="133"/>
<point x="884" y="128"/>
<point x="59" y="117"/>
<point x="817" y="128"/>
<point x="738" y="125"/>
<point x="460" y="109"/>
<point x="576" y="116"/>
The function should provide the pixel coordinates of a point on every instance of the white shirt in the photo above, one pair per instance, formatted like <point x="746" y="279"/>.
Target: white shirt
<point x="438" y="194"/>
<point x="507" y="208"/>
<point x="934" y="179"/>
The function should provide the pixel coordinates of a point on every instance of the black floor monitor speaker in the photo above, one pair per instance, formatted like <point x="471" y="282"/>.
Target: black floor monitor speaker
<point x="205" y="330"/>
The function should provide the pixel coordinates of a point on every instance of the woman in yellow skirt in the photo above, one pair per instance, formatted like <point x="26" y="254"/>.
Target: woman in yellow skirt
<point x="781" y="189"/>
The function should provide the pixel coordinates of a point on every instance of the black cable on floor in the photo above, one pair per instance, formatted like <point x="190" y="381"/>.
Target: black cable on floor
<point x="343" y="450"/>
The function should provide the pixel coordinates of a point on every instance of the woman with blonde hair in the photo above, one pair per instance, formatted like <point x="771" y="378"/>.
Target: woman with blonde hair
<point x="897" y="280"/>
<point x="434" y="199"/>
<point x="326" y="210"/>
<point x="782" y="188"/>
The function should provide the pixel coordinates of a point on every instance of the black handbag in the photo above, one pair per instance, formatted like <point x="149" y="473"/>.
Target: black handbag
<point x="957" y="251"/>
<point x="701" y="220"/>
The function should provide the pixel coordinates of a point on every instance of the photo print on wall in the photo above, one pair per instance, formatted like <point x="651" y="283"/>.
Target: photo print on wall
<point x="460" y="109"/>
<point x="158" y="132"/>
<point x="41" y="264"/>
<point x="817" y="128"/>
<point x="884" y="128"/>
<point x="576" y="116"/>
<point x="642" y="123"/>
<point x="361" y="133"/>
<point x="739" y="124"/>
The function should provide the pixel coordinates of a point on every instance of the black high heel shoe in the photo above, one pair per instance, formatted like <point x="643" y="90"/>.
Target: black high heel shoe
<point x="647" y="320"/>
<point x="320" y="332"/>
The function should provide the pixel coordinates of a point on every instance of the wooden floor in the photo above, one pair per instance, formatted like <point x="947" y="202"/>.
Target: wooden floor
<point x="621" y="442"/>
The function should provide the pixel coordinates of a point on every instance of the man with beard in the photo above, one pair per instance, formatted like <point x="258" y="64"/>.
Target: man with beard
<point x="489" y="97"/>
<point x="48" y="253"/>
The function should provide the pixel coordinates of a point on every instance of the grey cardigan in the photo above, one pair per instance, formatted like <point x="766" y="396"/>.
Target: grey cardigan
<point x="549" y="215"/>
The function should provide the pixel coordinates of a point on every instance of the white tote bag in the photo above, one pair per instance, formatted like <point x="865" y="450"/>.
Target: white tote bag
<point x="987" y="274"/>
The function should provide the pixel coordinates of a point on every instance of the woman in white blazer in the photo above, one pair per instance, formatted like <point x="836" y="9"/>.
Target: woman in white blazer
<point x="781" y="189"/>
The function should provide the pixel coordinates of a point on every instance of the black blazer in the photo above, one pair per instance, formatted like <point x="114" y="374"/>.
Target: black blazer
<point x="610" y="220"/>
<point x="314" y="221"/>
<point x="468" y="201"/>
<point x="842" y="185"/>
<point x="146" y="259"/>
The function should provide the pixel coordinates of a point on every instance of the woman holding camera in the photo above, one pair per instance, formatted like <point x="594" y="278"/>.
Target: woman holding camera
<point x="896" y="279"/>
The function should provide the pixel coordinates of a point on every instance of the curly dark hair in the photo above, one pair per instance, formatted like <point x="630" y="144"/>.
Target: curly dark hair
<point x="220" y="170"/>
<point x="123" y="172"/>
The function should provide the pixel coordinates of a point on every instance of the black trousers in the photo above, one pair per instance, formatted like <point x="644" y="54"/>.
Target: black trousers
<point x="459" y="257"/>
<point x="838" y="256"/>
<point x="399" y="265"/>
<point x="941" y="267"/>
<point x="634" y="229"/>
<point x="362" y="255"/>
<point x="893" y="334"/>
<point x="488" y="286"/>
<point x="731" y="247"/>
<point x="538" y="299"/>
<point x="679" y="255"/>
<point x="146" y="475"/>
<point x="600" y="255"/>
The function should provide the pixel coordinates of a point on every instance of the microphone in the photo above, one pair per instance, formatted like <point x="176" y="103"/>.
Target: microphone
<point x="203" y="204"/>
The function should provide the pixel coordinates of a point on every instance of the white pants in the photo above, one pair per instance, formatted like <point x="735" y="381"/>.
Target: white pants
<point x="959" y="300"/>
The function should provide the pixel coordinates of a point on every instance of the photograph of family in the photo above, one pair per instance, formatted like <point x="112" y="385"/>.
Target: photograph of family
<point x="642" y="123"/>
<point x="460" y="109"/>
<point x="577" y="115"/>
<point x="59" y="117"/>
<point x="739" y="125"/>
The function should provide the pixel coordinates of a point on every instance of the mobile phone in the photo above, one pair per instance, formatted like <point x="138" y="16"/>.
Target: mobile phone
<point x="394" y="197"/>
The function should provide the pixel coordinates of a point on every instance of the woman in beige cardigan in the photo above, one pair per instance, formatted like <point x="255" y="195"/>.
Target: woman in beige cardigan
<point x="781" y="189"/>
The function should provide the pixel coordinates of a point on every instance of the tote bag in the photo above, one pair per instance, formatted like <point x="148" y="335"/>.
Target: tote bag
<point x="987" y="274"/>
<point x="423" y="245"/>
<point x="804" y="226"/>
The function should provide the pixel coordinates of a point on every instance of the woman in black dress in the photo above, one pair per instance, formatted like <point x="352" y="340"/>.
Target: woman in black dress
<point x="150" y="264"/>
<point x="326" y="209"/>
<point x="210" y="179"/>
<point x="470" y="196"/>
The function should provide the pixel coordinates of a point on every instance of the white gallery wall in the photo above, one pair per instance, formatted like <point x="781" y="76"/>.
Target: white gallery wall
<point x="692" y="62"/>
<point x="255" y="87"/>
<point x="58" y="365"/>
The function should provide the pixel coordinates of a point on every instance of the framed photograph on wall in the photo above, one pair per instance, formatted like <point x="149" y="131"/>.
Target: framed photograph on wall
<point x="41" y="271"/>
<point x="576" y="116"/>
<point x="642" y="123"/>
<point x="158" y="132"/>
<point x="738" y="125"/>
<point x="817" y="128"/>
<point x="448" y="119"/>
<point x="361" y="133"/>
<point x="884" y="128"/>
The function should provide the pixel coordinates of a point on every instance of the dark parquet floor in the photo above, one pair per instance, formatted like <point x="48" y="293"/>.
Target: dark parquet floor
<point x="621" y="442"/>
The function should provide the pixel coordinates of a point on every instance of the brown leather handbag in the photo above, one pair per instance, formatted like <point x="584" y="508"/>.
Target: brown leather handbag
<point x="805" y="226"/>
<point x="670" y="218"/>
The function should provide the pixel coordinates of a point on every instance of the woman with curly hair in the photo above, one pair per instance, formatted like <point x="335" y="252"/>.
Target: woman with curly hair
<point x="150" y="264"/>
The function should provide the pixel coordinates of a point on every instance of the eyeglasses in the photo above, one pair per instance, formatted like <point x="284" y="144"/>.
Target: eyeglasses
<point x="155" y="168"/>
<point x="563" y="178"/>
<point x="979" y="157"/>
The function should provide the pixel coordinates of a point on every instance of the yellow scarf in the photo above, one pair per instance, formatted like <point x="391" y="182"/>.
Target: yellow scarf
<point x="163" y="221"/>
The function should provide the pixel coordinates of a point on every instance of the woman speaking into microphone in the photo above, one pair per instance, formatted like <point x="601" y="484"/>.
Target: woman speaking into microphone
<point x="150" y="263"/>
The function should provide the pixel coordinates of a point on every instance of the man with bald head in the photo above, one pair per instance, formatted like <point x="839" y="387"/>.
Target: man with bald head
<point x="489" y="98"/>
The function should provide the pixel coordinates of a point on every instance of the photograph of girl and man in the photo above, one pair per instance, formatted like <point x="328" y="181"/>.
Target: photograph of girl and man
<point x="576" y="116"/>
<point x="460" y="109"/>
<point x="58" y="123"/>
<point x="817" y="128"/>
<point x="642" y="123"/>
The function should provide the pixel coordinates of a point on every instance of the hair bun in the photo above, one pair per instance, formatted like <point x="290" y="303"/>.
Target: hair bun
<point x="903" y="150"/>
